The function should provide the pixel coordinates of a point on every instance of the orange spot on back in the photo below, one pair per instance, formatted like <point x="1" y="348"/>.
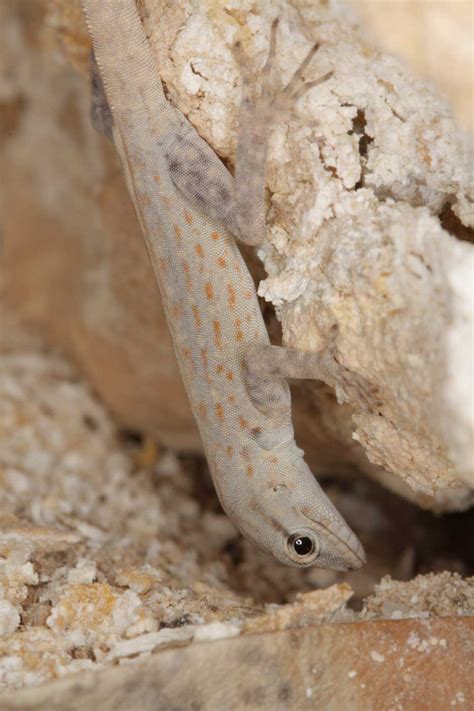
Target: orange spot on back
<point x="186" y="352"/>
<point x="231" y="300"/>
<point x="273" y="459"/>
<point x="157" y="178"/>
<point x="239" y="334"/>
<point x="199" y="250"/>
<point x="208" y="290"/>
<point x="188" y="217"/>
<point x="229" y="375"/>
<point x="176" y="310"/>
<point x="216" y="325"/>
<point x="231" y="398"/>
<point x="248" y="294"/>
<point x="221" y="262"/>
<point x="215" y="236"/>
<point x="229" y="450"/>
<point x="204" y="357"/>
<point x="187" y="277"/>
<point x="243" y="423"/>
<point x="145" y="200"/>
<point x="220" y="411"/>
<point x="163" y="264"/>
<point x="197" y="315"/>
<point x="177" y="231"/>
<point x="202" y="410"/>
<point x="249" y="470"/>
<point x="220" y="369"/>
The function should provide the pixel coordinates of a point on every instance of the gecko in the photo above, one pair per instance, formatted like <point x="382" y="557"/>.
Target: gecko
<point x="191" y="209"/>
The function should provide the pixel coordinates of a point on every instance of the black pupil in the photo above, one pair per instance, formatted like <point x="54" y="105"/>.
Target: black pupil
<point x="303" y="545"/>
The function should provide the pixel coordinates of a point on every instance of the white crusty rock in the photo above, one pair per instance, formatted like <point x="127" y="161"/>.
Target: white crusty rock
<point x="363" y="183"/>
<point x="9" y="618"/>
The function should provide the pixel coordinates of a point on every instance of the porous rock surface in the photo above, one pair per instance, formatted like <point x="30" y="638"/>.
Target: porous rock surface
<point x="117" y="566"/>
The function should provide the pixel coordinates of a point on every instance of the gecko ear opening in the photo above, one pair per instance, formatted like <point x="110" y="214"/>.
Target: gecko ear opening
<point x="302" y="547"/>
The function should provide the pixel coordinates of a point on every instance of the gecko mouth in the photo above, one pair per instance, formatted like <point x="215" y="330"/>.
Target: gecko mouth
<point x="346" y="544"/>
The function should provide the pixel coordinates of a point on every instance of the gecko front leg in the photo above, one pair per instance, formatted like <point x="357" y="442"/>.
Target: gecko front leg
<point x="265" y="365"/>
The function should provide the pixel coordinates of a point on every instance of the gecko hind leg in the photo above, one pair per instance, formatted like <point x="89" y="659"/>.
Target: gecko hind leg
<point x="257" y="116"/>
<point x="238" y="203"/>
<point x="272" y="94"/>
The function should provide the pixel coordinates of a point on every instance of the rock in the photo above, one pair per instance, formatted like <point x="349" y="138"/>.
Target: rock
<point x="357" y="666"/>
<point x="110" y="562"/>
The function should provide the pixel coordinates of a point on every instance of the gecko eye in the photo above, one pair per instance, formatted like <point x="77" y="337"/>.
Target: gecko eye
<point x="302" y="547"/>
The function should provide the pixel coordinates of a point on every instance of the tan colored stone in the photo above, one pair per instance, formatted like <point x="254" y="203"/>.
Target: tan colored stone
<point x="382" y="665"/>
<point x="15" y="535"/>
<point x="149" y="563"/>
<point x="434" y="37"/>
<point x="308" y="609"/>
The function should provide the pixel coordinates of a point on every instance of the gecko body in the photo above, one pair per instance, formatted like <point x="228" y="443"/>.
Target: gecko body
<point x="189" y="206"/>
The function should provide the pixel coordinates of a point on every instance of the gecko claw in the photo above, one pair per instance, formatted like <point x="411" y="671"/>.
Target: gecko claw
<point x="310" y="85"/>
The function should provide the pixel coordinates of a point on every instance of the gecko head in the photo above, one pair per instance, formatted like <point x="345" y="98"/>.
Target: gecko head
<point x="310" y="531"/>
<point x="293" y="519"/>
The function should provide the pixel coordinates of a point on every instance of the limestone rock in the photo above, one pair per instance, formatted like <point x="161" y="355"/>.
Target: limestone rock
<point x="375" y="665"/>
<point x="120" y="565"/>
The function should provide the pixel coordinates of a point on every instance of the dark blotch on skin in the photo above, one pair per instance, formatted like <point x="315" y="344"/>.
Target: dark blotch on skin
<point x="90" y="423"/>
<point x="223" y="194"/>
<point x="174" y="165"/>
<point x="285" y="692"/>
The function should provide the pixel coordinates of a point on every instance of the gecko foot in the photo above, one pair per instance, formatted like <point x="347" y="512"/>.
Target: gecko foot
<point x="273" y="98"/>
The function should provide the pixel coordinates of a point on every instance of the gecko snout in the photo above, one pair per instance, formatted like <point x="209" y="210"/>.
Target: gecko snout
<point x="340" y="548"/>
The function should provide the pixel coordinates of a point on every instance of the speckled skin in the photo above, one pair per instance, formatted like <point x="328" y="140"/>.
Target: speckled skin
<point x="183" y="197"/>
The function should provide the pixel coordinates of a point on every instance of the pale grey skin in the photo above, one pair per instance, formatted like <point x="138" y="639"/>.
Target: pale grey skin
<point x="189" y="206"/>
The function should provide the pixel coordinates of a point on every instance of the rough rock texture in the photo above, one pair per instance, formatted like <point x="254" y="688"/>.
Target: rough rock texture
<point x="383" y="665"/>
<point x="112" y="551"/>
<point x="363" y="182"/>
<point x="76" y="263"/>
<point x="435" y="38"/>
